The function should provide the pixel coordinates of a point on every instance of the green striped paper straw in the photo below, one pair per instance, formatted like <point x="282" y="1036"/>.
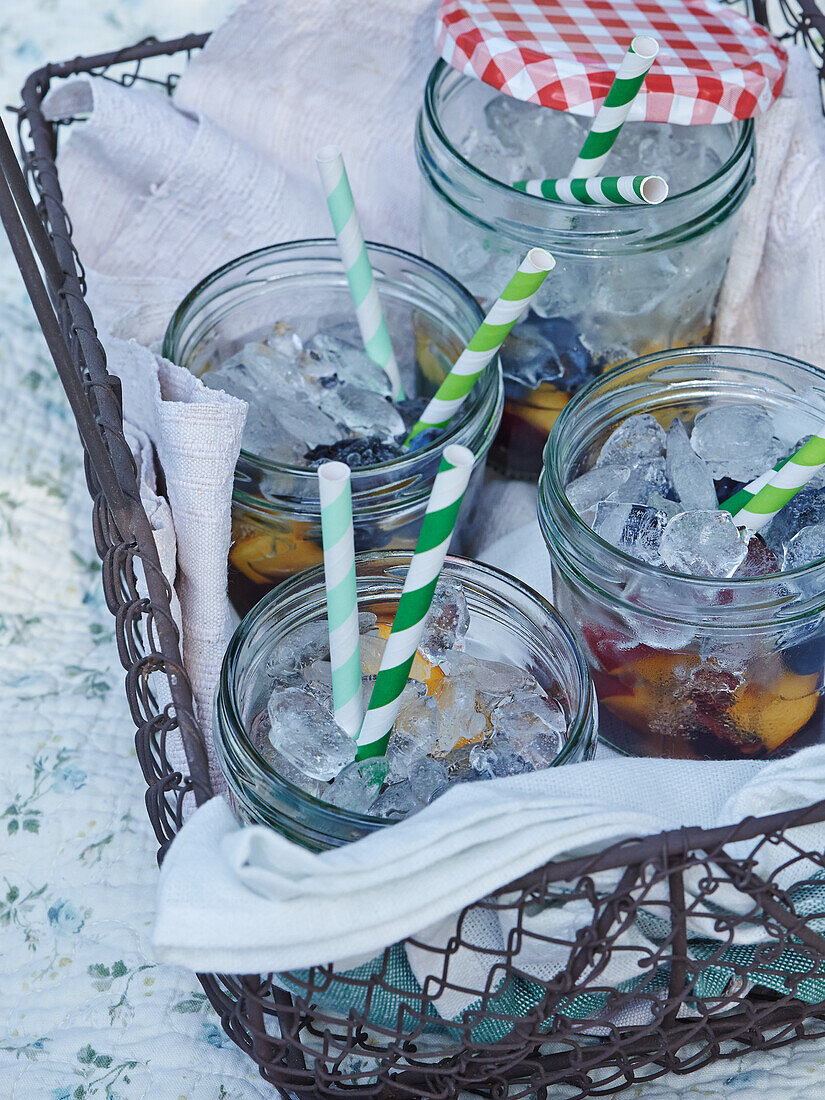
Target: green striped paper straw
<point x="416" y="598"/>
<point x="491" y="334"/>
<point x="353" y="249"/>
<point x="746" y="494"/>
<point x="783" y="484"/>
<point x="342" y="597"/>
<point x="600" y="190"/>
<point x="612" y="114"/>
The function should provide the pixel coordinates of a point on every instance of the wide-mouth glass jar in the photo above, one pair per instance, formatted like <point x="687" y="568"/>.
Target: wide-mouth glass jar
<point x="628" y="280"/>
<point x="508" y="622"/>
<point x="275" y="507"/>
<point x="686" y="666"/>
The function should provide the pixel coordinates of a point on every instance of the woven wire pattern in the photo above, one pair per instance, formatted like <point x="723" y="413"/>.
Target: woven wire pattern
<point x="668" y="1021"/>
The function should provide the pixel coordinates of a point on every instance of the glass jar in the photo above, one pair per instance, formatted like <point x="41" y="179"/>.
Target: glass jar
<point x="276" y="513"/>
<point x="687" y="666"/>
<point x="508" y="622"/>
<point x="628" y="280"/>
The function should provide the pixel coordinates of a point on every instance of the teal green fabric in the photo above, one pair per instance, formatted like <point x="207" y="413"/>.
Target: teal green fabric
<point x="516" y="997"/>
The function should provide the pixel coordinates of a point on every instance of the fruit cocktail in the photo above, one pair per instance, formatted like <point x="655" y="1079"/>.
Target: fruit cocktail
<point x="498" y="687"/>
<point x="628" y="280"/>
<point x="704" y="641"/>
<point x="277" y="328"/>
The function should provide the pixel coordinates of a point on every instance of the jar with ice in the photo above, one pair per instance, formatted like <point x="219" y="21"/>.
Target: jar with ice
<point x="277" y="328"/>
<point x="705" y="640"/>
<point x="628" y="280"/>
<point x="498" y="687"/>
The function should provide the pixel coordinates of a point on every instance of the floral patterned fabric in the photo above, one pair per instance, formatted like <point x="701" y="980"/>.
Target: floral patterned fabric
<point x="84" y="1010"/>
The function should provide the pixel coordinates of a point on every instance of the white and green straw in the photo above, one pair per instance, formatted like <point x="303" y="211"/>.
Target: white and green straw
<point x="353" y="249"/>
<point x="783" y="484"/>
<point x="599" y="190"/>
<point x="416" y="598"/>
<point x="342" y="597"/>
<point x="613" y="112"/>
<point x="491" y="334"/>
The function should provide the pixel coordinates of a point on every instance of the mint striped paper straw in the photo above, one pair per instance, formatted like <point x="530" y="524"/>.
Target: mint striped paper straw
<point x="351" y="245"/>
<point x="491" y="334"/>
<point x="342" y="597"/>
<point x="783" y="484"/>
<point x="600" y="190"/>
<point x="416" y="598"/>
<point x="612" y="114"/>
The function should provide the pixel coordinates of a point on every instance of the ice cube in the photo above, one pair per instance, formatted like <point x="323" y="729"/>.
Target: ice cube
<point x="300" y="648"/>
<point x="459" y="717"/>
<point x="703" y="544"/>
<point x="448" y="620"/>
<point x="303" y="731"/>
<point x="489" y="678"/>
<point x="361" y="412"/>
<point x="358" y="785"/>
<point x="735" y="441"/>
<point x="426" y="777"/>
<point x="347" y="363"/>
<point x="644" y="481"/>
<point x="414" y="734"/>
<point x="805" y="509"/>
<point x="285" y="341"/>
<point x="396" y="802"/>
<point x="585" y="492"/>
<point x="636" y="439"/>
<point x="633" y="528"/>
<point x="496" y="761"/>
<point x="806" y="547"/>
<point x="259" y="735"/>
<point x="524" y="718"/>
<point x="688" y="474"/>
<point x="512" y="125"/>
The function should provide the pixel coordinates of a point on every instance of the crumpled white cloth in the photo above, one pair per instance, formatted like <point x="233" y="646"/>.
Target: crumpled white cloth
<point x="774" y="292"/>
<point x="163" y="191"/>
<point x="248" y="900"/>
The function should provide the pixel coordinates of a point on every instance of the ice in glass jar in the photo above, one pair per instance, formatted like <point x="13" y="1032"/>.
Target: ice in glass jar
<point x="498" y="687"/>
<point x="628" y="280"/>
<point x="277" y="328"/>
<point x="705" y="640"/>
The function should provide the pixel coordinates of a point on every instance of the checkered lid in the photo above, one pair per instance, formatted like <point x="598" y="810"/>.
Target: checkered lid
<point x="714" y="65"/>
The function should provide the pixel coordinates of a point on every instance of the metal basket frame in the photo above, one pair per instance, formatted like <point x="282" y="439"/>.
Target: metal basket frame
<point x="304" y="1049"/>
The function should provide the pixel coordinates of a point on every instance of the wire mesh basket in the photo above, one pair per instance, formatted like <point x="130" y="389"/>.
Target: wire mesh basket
<point x="522" y="1034"/>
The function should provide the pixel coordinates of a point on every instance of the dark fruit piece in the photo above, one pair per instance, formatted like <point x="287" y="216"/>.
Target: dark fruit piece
<point x="546" y="349"/>
<point x="355" y="452"/>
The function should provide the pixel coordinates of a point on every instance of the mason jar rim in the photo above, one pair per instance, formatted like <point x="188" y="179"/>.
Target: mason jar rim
<point x="552" y="491"/>
<point x="536" y="201"/>
<point x="295" y="588"/>
<point x="404" y="464"/>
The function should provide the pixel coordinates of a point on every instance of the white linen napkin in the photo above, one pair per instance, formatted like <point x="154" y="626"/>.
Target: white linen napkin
<point x="248" y="900"/>
<point x="774" y="289"/>
<point x="197" y="435"/>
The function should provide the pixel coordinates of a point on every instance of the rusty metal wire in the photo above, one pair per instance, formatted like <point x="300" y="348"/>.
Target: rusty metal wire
<point x="674" y="1019"/>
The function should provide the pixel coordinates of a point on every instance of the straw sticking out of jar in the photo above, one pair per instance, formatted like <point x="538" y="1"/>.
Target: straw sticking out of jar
<point x="341" y="593"/>
<point x="416" y="598"/>
<point x="613" y="112"/>
<point x="353" y="249"/>
<point x="783" y="484"/>
<point x="599" y="190"/>
<point x="484" y="346"/>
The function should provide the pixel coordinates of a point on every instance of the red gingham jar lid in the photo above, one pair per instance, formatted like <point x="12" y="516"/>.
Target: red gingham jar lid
<point x="714" y="65"/>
